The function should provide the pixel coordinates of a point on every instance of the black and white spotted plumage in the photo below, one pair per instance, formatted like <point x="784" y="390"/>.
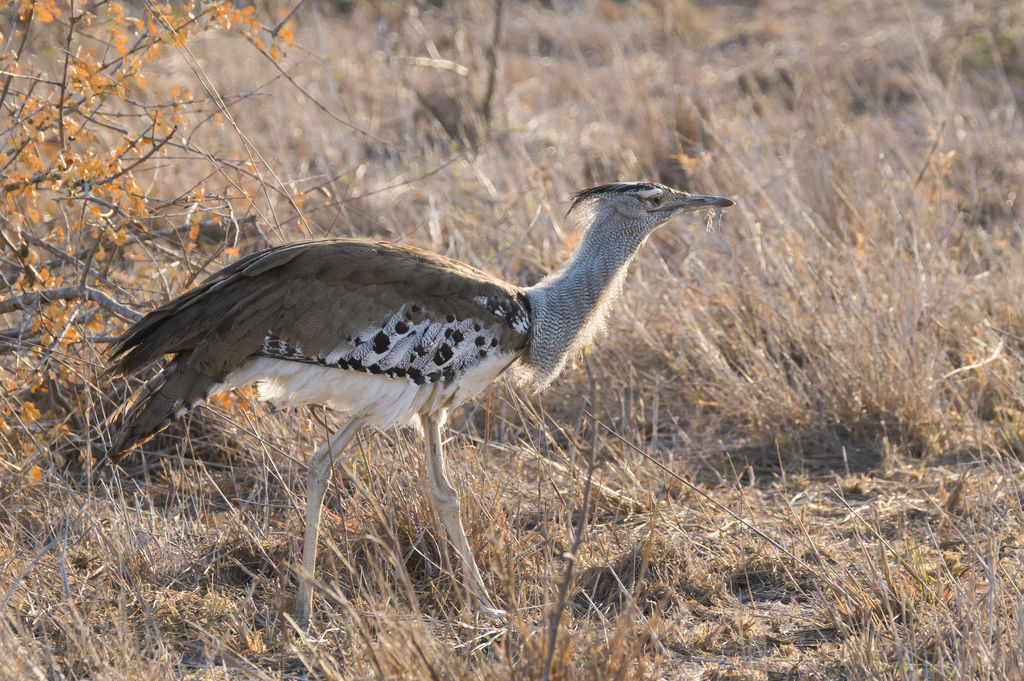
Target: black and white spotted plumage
<point x="424" y="351"/>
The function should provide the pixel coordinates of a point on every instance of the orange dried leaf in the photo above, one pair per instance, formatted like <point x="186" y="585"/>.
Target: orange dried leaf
<point x="30" y="413"/>
<point x="46" y="11"/>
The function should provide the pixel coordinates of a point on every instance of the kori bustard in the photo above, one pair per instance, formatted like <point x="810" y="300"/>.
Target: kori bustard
<point x="388" y="334"/>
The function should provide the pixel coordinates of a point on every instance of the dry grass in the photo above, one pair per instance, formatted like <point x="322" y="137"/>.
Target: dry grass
<point x="831" y="386"/>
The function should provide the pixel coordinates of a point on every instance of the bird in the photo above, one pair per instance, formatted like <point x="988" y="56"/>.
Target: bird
<point x="387" y="334"/>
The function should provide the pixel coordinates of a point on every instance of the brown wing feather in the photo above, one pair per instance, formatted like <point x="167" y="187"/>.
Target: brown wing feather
<point x="181" y="323"/>
<point x="313" y="296"/>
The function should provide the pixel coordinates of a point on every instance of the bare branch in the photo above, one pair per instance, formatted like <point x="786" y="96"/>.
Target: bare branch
<point x="155" y="146"/>
<point x="492" y="62"/>
<point x="277" y="29"/>
<point x="27" y="300"/>
<point x="24" y="39"/>
<point x="34" y="179"/>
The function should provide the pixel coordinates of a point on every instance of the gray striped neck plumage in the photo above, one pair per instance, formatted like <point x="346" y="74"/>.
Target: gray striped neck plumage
<point x="568" y="307"/>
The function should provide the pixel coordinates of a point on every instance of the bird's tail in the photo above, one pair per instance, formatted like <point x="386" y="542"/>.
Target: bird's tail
<point x="163" y="399"/>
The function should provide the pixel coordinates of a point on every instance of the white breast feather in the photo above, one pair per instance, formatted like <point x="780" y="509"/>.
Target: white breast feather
<point x="385" y="401"/>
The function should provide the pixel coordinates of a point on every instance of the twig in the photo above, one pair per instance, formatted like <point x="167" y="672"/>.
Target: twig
<point x="316" y="102"/>
<point x="89" y="196"/>
<point x="608" y="494"/>
<point x="274" y="31"/>
<point x="27" y="300"/>
<point x="438" y="64"/>
<point x="563" y="589"/>
<point x="578" y="537"/>
<point x="24" y="572"/>
<point x="21" y="47"/>
<point x="492" y="65"/>
<point x="26" y="76"/>
<point x="64" y="78"/>
<point x="17" y="119"/>
<point x="34" y="179"/>
<point x="20" y="253"/>
<point x="928" y="156"/>
<point x="977" y="365"/>
<point x="154" y="146"/>
<point x="70" y="259"/>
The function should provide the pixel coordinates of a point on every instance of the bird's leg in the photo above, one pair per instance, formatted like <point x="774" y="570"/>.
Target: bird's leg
<point x="317" y="477"/>
<point x="445" y="500"/>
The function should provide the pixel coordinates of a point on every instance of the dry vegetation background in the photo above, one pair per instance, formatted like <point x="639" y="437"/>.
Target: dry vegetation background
<point x="807" y="429"/>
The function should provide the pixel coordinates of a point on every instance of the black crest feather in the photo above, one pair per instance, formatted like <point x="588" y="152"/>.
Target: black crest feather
<point x="613" y="188"/>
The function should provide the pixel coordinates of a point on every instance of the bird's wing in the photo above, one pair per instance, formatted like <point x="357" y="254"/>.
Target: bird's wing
<point x="325" y="302"/>
<point x="354" y="304"/>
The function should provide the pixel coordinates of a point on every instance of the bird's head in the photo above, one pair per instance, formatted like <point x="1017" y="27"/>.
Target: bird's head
<point x="643" y="205"/>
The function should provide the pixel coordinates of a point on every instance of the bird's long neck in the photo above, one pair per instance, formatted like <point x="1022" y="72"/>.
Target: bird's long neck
<point x="569" y="306"/>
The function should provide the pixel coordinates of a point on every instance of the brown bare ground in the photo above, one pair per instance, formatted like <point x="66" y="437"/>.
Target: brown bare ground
<point x="806" y="429"/>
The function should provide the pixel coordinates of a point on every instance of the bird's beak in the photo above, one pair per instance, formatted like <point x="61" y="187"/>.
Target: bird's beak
<point x="681" y="202"/>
